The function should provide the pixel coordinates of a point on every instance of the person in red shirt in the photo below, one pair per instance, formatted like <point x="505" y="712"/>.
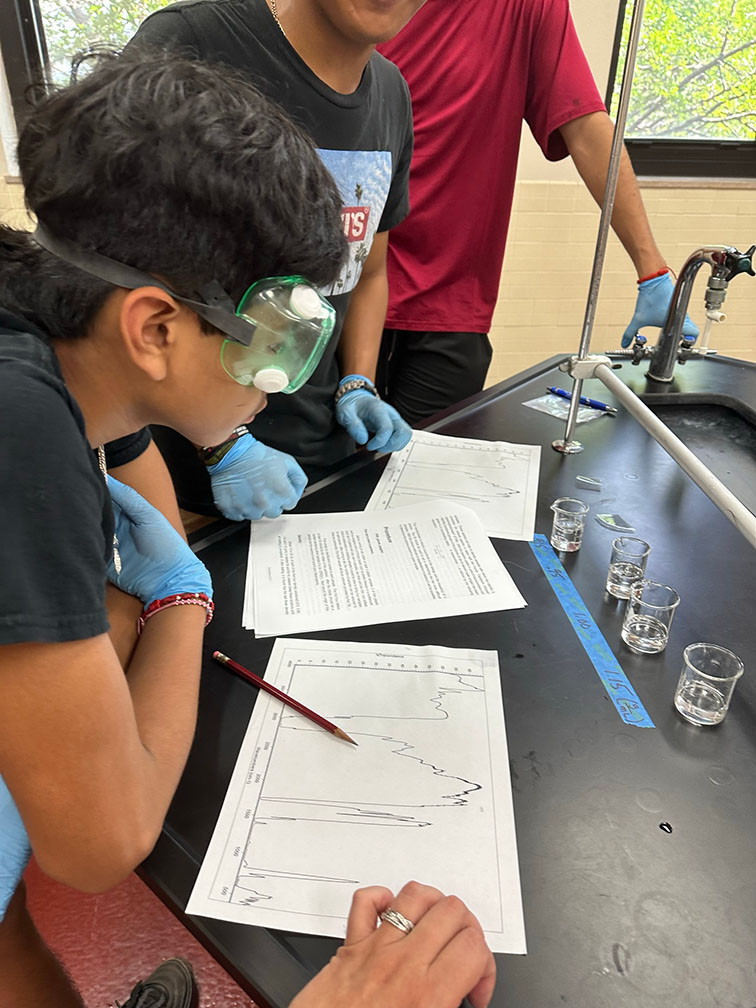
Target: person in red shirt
<point x="475" y="72"/>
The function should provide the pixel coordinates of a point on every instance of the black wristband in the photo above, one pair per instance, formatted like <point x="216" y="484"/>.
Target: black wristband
<point x="212" y="454"/>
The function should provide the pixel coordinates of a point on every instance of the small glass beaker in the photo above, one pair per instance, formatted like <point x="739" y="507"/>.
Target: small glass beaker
<point x="707" y="682"/>
<point x="626" y="565"/>
<point x="648" y="616"/>
<point x="569" y="520"/>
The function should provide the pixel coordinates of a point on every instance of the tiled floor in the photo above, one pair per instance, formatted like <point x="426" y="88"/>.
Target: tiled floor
<point x="108" y="942"/>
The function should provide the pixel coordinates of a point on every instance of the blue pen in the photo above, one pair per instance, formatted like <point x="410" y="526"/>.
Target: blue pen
<point x="584" y="400"/>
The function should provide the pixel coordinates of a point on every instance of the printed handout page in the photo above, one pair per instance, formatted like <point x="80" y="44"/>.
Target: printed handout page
<point x="424" y="795"/>
<point x="496" y="479"/>
<point x="323" y="572"/>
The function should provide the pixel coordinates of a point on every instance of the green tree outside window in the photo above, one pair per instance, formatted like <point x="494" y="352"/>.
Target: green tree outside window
<point x="695" y="77"/>
<point x="73" y="26"/>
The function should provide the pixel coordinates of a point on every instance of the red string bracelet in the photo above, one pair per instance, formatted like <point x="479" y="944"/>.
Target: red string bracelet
<point x="653" y="276"/>
<point x="183" y="598"/>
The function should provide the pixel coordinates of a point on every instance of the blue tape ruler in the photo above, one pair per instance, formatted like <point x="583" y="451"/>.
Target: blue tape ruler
<point x="621" y="693"/>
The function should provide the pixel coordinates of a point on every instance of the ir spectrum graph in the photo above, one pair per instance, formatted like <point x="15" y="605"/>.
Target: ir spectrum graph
<point x="425" y="794"/>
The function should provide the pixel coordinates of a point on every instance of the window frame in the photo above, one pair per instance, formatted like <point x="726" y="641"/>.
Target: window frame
<point x="659" y="157"/>
<point x="24" y="51"/>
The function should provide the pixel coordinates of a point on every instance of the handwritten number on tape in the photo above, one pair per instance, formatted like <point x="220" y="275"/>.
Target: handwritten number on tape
<point x="611" y="674"/>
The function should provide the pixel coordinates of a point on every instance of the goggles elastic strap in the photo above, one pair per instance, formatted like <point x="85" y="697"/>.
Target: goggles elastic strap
<point x="121" y="275"/>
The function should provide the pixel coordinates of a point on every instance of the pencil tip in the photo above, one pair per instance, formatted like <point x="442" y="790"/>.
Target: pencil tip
<point x="343" y="735"/>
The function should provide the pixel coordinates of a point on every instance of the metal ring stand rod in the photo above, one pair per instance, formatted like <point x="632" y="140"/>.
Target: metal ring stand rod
<point x="566" y="444"/>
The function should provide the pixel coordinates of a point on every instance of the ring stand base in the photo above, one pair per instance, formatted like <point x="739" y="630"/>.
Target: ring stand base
<point x="566" y="447"/>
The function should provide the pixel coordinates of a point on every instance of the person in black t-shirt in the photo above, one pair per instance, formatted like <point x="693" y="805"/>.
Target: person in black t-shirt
<point x="164" y="193"/>
<point x="318" y="61"/>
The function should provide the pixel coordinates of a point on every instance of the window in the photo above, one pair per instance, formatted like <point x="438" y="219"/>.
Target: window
<point x="39" y="38"/>
<point x="693" y="102"/>
<point x="72" y="26"/>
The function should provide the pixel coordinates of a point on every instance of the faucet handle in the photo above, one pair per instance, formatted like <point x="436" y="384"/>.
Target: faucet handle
<point x="639" y="348"/>
<point x="740" y="262"/>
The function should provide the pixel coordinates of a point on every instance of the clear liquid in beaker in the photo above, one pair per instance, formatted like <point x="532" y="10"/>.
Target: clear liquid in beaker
<point x="644" y="634"/>
<point x="700" y="703"/>
<point x="567" y="534"/>
<point x="621" y="577"/>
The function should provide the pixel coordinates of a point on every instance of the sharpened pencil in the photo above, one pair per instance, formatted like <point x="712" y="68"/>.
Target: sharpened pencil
<point x="283" y="697"/>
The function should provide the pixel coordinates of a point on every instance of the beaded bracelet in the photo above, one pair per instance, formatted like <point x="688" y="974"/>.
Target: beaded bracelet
<point x="184" y="598"/>
<point x="353" y="382"/>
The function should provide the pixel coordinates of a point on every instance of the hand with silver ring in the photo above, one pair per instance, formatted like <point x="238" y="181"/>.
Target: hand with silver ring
<point x="428" y="951"/>
<point x="391" y="916"/>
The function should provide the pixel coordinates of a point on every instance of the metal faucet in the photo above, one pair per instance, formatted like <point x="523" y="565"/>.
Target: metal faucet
<point x="726" y="262"/>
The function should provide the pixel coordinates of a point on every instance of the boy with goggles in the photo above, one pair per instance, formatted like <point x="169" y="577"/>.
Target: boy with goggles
<point x="275" y="336"/>
<point x="148" y="182"/>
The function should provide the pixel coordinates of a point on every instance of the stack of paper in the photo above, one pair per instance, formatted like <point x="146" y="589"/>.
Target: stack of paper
<point x="321" y="572"/>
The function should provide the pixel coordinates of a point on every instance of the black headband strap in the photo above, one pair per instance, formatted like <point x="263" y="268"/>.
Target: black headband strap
<point x="220" y="315"/>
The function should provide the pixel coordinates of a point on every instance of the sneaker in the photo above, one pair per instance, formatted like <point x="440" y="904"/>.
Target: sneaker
<point x="171" y="985"/>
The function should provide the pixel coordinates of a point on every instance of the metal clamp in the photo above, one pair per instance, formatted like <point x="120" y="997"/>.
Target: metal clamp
<point x="584" y="367"/>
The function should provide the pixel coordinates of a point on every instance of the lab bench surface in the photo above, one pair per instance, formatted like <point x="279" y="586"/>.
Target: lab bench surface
<point x="637" y="846"/>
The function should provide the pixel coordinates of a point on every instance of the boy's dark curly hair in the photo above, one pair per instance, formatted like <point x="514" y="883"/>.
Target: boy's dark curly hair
<point x="176" y="167"/>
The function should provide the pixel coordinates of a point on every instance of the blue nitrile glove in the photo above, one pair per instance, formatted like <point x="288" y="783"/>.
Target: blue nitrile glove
<point x="254" y="481"/>
<point x="361" y="413"/>
<point x="652" y="307"/>
<point x="155" y="561"/>
<point x="15" y="849"/>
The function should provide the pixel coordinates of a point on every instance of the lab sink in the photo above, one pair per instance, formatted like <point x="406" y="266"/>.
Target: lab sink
<point x="723" y="439"/>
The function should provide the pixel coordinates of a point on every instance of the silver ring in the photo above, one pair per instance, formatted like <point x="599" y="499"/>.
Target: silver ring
<point x="392" y="916"/>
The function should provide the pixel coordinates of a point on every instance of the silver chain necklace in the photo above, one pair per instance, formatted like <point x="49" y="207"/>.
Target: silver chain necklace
<point x="104" y="471"/>
<point x="274" y="12"/>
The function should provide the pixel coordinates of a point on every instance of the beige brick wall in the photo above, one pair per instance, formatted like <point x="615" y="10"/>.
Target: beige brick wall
<point x="12" y="210"/>
<point x="547" y="268"/>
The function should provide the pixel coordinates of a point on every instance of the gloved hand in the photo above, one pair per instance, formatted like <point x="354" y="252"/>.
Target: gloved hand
<point x="155" y="561"/>
<point x="362" y="414"/>
<point x="254" y="481"/>
<point x="15" y="849"/>
<point x="652" y="306"/>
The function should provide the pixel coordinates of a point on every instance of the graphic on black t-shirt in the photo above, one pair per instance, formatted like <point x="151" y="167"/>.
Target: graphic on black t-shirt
<point x="364" y="180"/>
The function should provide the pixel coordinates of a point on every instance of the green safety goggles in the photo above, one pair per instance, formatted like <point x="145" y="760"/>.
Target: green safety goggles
<point x="291" y="322"/>
<point x="275" y="337"/>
